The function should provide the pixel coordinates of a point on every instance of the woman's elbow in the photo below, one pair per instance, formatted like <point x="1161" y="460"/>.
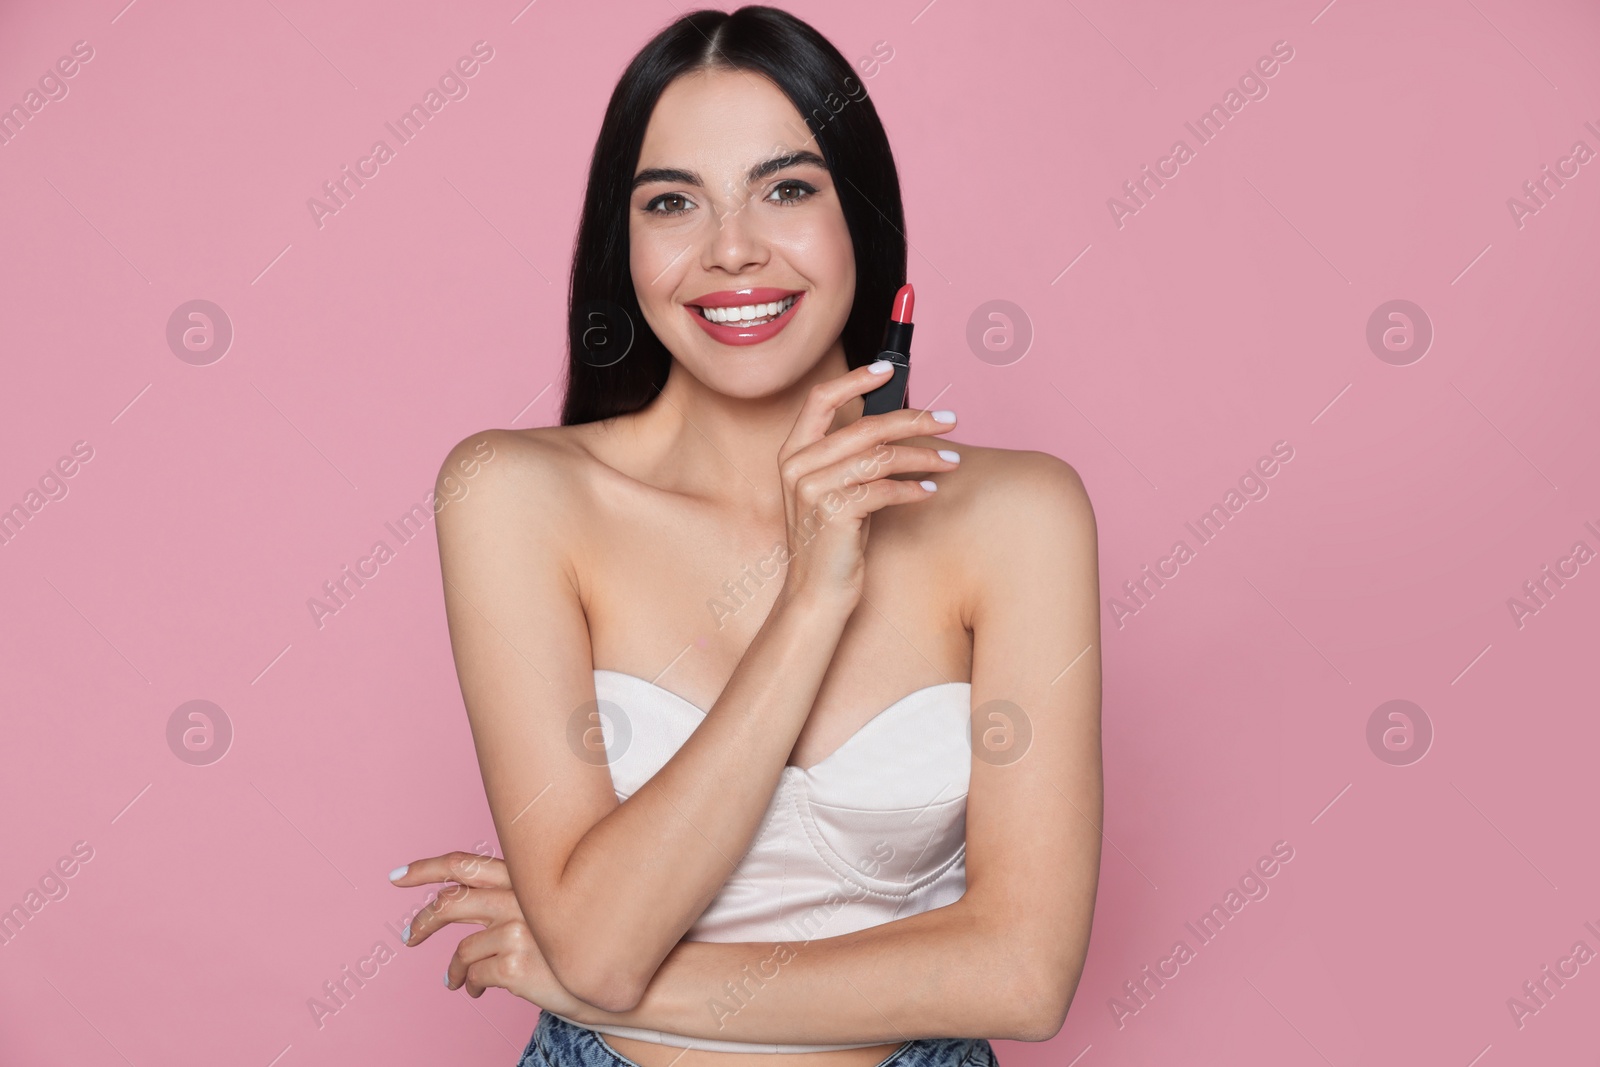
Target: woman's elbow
<point x="1040" y="1001"/>
<point x="588" y="974"/>
<point x="607" y="992"/>
<point x="1040" y="1022"/>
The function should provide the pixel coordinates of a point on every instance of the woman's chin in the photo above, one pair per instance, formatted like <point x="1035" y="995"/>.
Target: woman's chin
<point x="747" y="371"/>
<point x="750" y="377"/>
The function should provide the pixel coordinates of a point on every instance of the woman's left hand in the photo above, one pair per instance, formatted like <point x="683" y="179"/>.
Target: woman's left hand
<point x="503" y="953"/>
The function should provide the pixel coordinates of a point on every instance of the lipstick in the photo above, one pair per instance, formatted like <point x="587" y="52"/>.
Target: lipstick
<point x="891" y="395"/>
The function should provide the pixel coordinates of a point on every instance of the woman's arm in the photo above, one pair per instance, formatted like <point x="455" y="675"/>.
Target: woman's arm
<point x="940" y="973"/>
<point x="808" y="990"/>
<point x="1004" y="960"/>
<point x="608" y="889"/>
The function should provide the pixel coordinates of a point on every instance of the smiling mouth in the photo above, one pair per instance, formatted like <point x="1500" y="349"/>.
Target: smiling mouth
<point x="748" y="314"/>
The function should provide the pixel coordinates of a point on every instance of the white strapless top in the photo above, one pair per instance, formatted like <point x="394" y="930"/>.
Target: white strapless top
<point x="874" y="832"/>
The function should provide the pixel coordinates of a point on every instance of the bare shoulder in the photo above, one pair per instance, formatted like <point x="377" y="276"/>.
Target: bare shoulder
<point x="529" y="480"/>
<point x="510" y="455"/>
<point x="1030" y="494"/>
<point x="1019" y="525"/>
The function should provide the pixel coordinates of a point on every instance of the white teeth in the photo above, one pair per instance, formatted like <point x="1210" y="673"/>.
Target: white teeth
<point x="749" y="314"/>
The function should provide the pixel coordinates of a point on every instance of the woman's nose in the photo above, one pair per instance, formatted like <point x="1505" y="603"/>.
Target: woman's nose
<point x="735" y="242"/>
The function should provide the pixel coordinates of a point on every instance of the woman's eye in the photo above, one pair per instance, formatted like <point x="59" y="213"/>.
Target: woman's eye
<point x="799" y="187"/>
<point x="669" y="204"/>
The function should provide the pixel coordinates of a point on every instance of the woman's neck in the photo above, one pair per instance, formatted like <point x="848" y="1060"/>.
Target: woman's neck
<point x="694" y="440"/>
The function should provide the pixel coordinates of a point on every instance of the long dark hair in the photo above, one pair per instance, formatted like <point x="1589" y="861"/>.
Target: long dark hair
<point x="615" y="362"/>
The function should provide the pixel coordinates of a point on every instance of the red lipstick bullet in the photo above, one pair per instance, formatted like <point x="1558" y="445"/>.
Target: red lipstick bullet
<point x="891" y="395"/>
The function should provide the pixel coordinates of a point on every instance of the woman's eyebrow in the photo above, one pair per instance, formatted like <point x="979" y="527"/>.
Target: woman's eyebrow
<point x="761" y="170"/>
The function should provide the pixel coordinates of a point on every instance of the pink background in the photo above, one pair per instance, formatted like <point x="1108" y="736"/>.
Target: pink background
<point x="1229" y="313"/>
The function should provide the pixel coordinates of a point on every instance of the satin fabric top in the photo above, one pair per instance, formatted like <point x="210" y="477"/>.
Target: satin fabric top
<point x="874" y="832"/>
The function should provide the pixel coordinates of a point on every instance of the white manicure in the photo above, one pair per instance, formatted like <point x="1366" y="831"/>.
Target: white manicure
<point x="949" y="456"/>
<point x="882" y="366"/>
<point x="928" y="485"/>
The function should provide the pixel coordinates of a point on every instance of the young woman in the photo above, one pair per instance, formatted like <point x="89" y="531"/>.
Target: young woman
<point x="843" y="809"/>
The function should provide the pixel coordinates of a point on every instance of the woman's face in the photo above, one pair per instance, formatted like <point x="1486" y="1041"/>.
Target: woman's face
<point x="733" y="212"/>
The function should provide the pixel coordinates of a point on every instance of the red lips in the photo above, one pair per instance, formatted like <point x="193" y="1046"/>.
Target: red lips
<point x="732" y="298"/>
<point x="734" y="334"/>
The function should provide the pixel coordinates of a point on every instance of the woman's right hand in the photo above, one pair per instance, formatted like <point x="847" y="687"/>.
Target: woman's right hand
<point x="833" y="482"/>
<point x="504" y="953"/>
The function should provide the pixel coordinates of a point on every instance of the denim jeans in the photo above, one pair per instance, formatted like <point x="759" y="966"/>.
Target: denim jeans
<point x="558" y="1043"/>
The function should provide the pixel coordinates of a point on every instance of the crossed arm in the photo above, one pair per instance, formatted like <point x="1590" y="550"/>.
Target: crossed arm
<point x="609" y="890"/>
<point x="950" y="972"/>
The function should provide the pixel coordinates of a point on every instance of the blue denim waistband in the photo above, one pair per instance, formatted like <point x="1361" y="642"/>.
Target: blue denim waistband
<point x="558" y="1043"/>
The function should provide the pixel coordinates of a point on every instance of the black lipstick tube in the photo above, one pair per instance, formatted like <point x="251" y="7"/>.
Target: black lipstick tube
<point x="891" y="395"/>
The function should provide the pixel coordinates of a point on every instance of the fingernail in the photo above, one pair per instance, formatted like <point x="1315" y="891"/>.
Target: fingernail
<point x="447" y="979"/>
<point x="944" y="416"/>
<point x="928" y="485"/>
<point x="949" y="456"/>
<point x="399" y="872"/>
<point x="405" y="935"/>
<point x="882" y="366"/>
